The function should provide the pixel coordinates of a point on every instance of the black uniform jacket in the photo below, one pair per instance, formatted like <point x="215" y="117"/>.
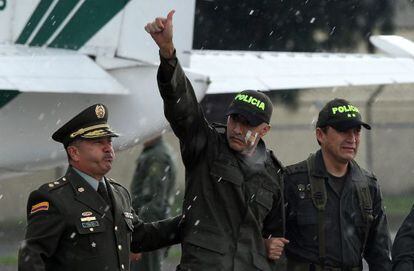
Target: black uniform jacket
<point x="70" y="227"/>
<point x="403" y="248"/>
<point x="344" y="223"/>
<point x="225" y="214"/>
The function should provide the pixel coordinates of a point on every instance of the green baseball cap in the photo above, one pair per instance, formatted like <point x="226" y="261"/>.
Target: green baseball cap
<point x="341" y="115"/>
<point x="255" y="106"/>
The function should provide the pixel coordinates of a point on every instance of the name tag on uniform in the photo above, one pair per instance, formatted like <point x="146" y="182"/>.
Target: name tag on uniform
<point x="91" y="224"/>
<point x="128" y="215"/>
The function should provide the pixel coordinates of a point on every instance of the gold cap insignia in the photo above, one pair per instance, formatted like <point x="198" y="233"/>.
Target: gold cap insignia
<point x="100" y="111"/>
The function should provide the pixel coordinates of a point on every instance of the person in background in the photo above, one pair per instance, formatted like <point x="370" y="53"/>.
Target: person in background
<point x="152" y="191"/>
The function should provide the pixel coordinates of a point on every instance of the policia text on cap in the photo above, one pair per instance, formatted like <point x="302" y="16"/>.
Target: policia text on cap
<point x="233" y="197"/>
<point x="335" y="216"/>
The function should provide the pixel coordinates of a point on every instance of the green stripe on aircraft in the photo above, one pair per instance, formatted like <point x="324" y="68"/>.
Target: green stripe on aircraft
<point x="33" y="21"/>
<point x="53" y="21"/>
<point x="3" y="4"/>
<point x="87" y="21"/>
<point x="6" y="96"/>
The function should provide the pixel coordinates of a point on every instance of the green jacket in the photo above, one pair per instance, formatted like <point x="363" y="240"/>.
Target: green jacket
<point x="69" y="228"/>
<point x="152" y="187"/>
<point x="226" y="214"/>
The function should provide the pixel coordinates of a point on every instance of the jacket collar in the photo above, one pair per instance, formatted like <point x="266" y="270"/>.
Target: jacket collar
<point x="85" y="194"/>
<point x="354" y="170"/>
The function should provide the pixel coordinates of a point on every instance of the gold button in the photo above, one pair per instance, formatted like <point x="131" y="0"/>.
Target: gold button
<point x="116" y="228"/>
<point x="119" y="247"/>
<point x="91" y="229"/>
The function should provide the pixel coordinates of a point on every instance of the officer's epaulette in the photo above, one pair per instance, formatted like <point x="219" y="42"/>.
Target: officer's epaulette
<point x="300" y="167"/>
<point x="56" y="184"/>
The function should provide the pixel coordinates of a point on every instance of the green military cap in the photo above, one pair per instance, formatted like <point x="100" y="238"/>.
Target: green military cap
<point x="89" y="124"/>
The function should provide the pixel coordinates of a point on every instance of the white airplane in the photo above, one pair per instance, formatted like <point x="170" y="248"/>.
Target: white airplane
<point x="57" y="57"/>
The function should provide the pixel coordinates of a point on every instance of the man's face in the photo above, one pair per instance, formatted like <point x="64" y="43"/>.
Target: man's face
<point x="93" y="156"/>
<point x="342" y="147"/>
<point x="241" y="136"/>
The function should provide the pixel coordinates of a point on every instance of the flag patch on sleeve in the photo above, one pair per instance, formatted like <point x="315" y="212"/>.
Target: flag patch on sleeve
<point x="42" y="206"/>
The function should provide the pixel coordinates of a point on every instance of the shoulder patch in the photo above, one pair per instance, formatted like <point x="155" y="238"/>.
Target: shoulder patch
<point x="42" y="206"/>
<point x="297" y="168"/>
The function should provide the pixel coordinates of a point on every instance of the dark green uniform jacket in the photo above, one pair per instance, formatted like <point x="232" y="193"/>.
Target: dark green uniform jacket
<point x="152" y="188"/>
<point x="225" y="214"/>
<point x="403" y="248"/>
<point x="71" y="228"/>
<point x="344" y="223"/>
<point x="153" y="182"/>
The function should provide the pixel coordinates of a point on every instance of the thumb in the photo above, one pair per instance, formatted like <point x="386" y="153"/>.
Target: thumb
<point x="170" y="16"/>
<point x="285" y="241"/>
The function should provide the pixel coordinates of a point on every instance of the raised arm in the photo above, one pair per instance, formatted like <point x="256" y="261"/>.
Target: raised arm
<point x="180" y="104"/>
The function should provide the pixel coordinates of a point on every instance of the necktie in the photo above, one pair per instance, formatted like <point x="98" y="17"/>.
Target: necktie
<point x="104" y="193"/>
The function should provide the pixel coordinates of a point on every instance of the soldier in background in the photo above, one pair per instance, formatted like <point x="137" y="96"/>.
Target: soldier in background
<point x="152" y="190"/>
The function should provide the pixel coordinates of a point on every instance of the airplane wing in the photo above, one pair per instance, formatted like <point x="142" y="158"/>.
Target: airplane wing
<point x="234" y="71"/>
<point x="26" y="69"/>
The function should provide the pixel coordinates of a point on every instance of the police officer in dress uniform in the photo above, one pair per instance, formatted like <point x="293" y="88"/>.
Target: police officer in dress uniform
<point x="84" y="220"/>
<point x="233" y="202"/>
<point x="335" y="216"/>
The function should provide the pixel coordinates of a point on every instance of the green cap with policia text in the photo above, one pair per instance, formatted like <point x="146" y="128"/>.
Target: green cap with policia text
<point x="89" y="124"/>
<point x="341" y="115"/>
<point x="255" y="106"/>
